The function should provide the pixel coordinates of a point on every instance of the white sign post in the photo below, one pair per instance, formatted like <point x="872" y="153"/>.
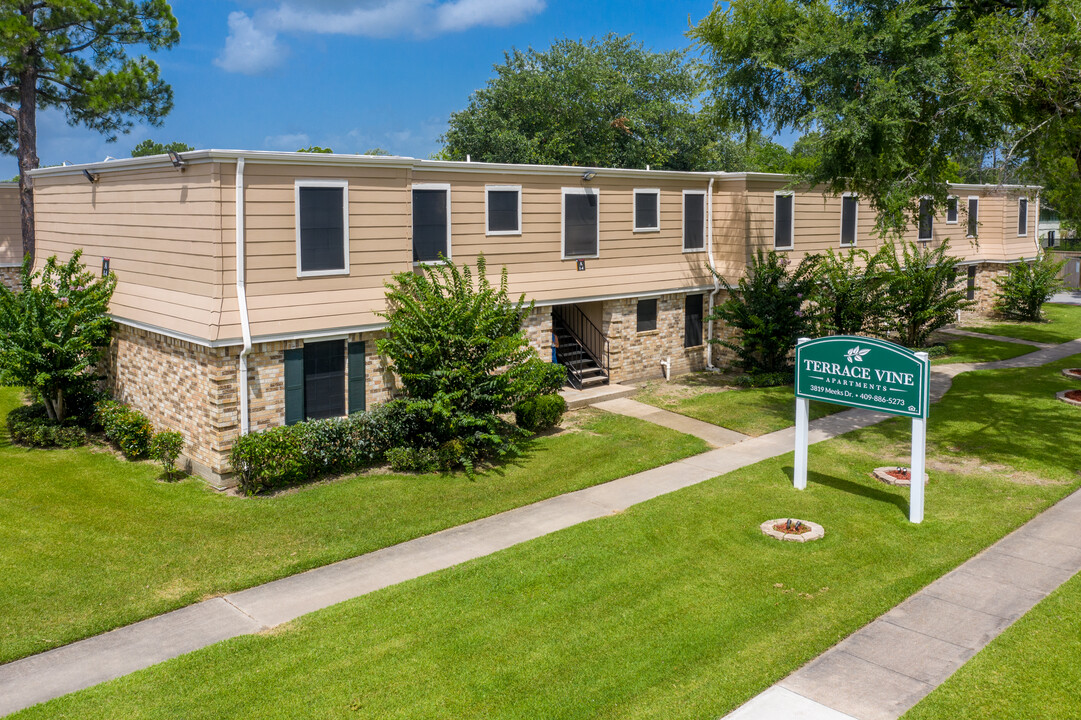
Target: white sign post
<point x="866" y="373"/>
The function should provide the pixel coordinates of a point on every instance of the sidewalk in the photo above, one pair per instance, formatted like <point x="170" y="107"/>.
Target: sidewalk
<point x="88" y="662"/>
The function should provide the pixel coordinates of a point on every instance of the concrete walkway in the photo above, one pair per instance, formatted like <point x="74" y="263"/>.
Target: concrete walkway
<point x="1000" y="338"/>
<point x="88" y="662"/>
<point x="713" y="434"/>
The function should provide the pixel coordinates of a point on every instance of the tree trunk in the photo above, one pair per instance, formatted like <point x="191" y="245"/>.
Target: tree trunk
<point x="27" y="153"/>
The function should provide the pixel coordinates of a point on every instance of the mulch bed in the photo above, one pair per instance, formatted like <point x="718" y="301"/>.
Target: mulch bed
<point x="1074" y="395"/>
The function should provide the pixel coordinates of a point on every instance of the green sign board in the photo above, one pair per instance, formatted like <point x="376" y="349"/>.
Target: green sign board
<point x="863" y="372"/>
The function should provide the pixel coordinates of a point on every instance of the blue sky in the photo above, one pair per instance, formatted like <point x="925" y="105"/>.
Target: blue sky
<point x="349" y="74"/>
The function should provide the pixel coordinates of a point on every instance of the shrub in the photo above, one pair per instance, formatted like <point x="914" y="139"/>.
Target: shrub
<point x="1026" y="287"/>
<point x="849" y="293"/>
<point x="30" y="425"/>
<point x="540" y="413"/>
<point x="765" y="379"/>
<point x="410" y="459"/>
<point x="922" y="291"/>
<point x="767" y="307"/>
<point x="128" y="428"/>
<point x="165" y="447"/>
<point x="270" y="459"/>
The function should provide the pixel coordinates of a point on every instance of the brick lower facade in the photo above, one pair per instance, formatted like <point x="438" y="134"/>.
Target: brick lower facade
<point x="984" y="294"/>
<point x="9" y="277"/>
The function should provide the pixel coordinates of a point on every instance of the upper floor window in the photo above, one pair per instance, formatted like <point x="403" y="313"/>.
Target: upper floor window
<point x="973" y="217"/>
<point x="322" y="222"/>
<point x="849" y="210"/>
<point x="647" y="213"/>
<point x="431" y="222"/>
<point x="926" y="220"/>
<point x="581" y="223"/>
<point x="951" y="210"/>
<point x="694" y="220"/>
<point x="784" y="220"/>
<point x="503" y="209"/>
<point x="1022" y="217"/>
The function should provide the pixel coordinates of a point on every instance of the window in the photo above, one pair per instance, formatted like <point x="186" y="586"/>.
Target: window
<point x="951" y="210"/>
<point x="783" y="221"/>
<point x="647" y="214"/>
<point x="647" y="315"/>
<point x="322" y="222"/>
<point x="431" y="222"/>
<point x="1022" y="217"/>
<point x="692" y="325"/>
<point x="321" y="377"/>
<point x="694" y="220"/>
<point x="849" y="209"/>
<point x="926" y="220"/>
<point x="581" y="223"/>
<point x="503" y="209"/>
<point x="973" y="217"/>
<point x="970" y="292"/>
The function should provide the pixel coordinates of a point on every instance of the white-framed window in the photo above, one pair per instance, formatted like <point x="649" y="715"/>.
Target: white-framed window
<point x="647" y="210"/>
<point x="694" y="220"/>
<point x="581" y="223"/>
<point x="784" y="220"/>
<point x="951" y="210"/>
<point x="973" y="229"/>
<point x="1022" y="217"/>
<point x="503" y="209"/>
<point x="850" y="208"/>
<point x="431" y="222"/>
<point x="322" y="227"/>
<point x="925" y="226"/>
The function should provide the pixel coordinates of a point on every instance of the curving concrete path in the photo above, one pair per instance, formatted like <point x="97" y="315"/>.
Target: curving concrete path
<point x="116" y="653"/>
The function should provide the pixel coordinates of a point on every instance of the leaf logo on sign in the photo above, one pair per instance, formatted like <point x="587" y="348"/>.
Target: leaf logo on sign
<point x="856" y="354"/>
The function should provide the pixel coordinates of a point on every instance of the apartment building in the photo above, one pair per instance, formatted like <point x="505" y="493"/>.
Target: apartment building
<point x="251" y="283"/>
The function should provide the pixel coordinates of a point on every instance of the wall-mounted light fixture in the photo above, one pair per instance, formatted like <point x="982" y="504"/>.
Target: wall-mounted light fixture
<point x="588" y="175"/>
<point x="92" y="177"/>
<point x="178" y="162"/>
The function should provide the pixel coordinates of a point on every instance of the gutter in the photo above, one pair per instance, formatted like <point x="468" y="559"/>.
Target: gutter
<point x="242" y="300"/>
<point x="713" y="267"/>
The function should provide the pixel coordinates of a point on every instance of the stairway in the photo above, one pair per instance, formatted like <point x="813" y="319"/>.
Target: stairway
<point x="582" y="370"/>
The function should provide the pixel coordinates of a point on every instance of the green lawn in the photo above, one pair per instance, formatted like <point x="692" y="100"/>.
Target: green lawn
<point x="1064" y="324"/>
<point x="751" y="411"/>
<point x="89" y="542"/>
<point x="1030" y="671"/>
<point x="676" y="608"/>
<point x="974" y="350"/>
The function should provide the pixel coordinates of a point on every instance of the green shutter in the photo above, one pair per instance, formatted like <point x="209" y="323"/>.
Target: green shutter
<point x="356" y="377"/>
<point x="294" y="386"/>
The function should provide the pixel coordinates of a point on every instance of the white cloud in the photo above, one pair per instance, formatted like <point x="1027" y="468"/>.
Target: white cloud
<point x="288" y="142"/>
<point x="252" y="45"/>
<point x="251" y="48"/>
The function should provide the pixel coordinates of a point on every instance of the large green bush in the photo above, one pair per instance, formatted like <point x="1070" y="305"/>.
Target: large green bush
<point x="540" y="413"/>
<point x="849" y="293"/>
<point x="922" y="291"/>
<point x="770" y="308"/>
<point x="30" y="425"/>
<point x="128" y="428"/>
<point x="457" y="344"/>
<point x="1027" y="286"/>
<point x="54" y="331"/>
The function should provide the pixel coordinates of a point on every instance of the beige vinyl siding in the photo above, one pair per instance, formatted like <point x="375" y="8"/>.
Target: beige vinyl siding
<point x="161" y="230"/>
<point x="628" y="263"/>
<point x="11" y="240"/>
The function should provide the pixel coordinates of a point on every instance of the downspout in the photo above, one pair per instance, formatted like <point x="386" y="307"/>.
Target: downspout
<point x="713" y="267"/>
<point x="242" y="299"/>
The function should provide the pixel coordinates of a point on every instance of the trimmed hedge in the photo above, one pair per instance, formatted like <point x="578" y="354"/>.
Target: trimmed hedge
<point x="30" y="425"/>
<point x="128" y="428"/>
<point x="540" y="413"/>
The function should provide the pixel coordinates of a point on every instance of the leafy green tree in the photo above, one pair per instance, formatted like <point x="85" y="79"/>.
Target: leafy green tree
<point x="922" y="291"/>
<point x="850" y="294"/>
<point x="770" y="308"/>
<point x="1027" y="286"/>
<point x="457" y="344"/>
<point x="72" y="55"/>
<point x="315" y="149"/>
<point x="55" y="330"/>
<point x="376" y="151"/>
<point x="149" y="147"/>
<point x="602" y="103"/>
<point x="891" y="88"/>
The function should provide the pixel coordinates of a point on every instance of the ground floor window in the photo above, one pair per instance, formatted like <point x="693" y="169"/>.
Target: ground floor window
<point x="971" y="290"/>
<point x="322" y="378"/>
<point x="692" y="330"/>
<point x="647" y="315"/>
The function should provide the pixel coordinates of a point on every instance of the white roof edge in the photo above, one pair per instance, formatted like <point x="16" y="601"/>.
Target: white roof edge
<point x="9" y="183"/>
